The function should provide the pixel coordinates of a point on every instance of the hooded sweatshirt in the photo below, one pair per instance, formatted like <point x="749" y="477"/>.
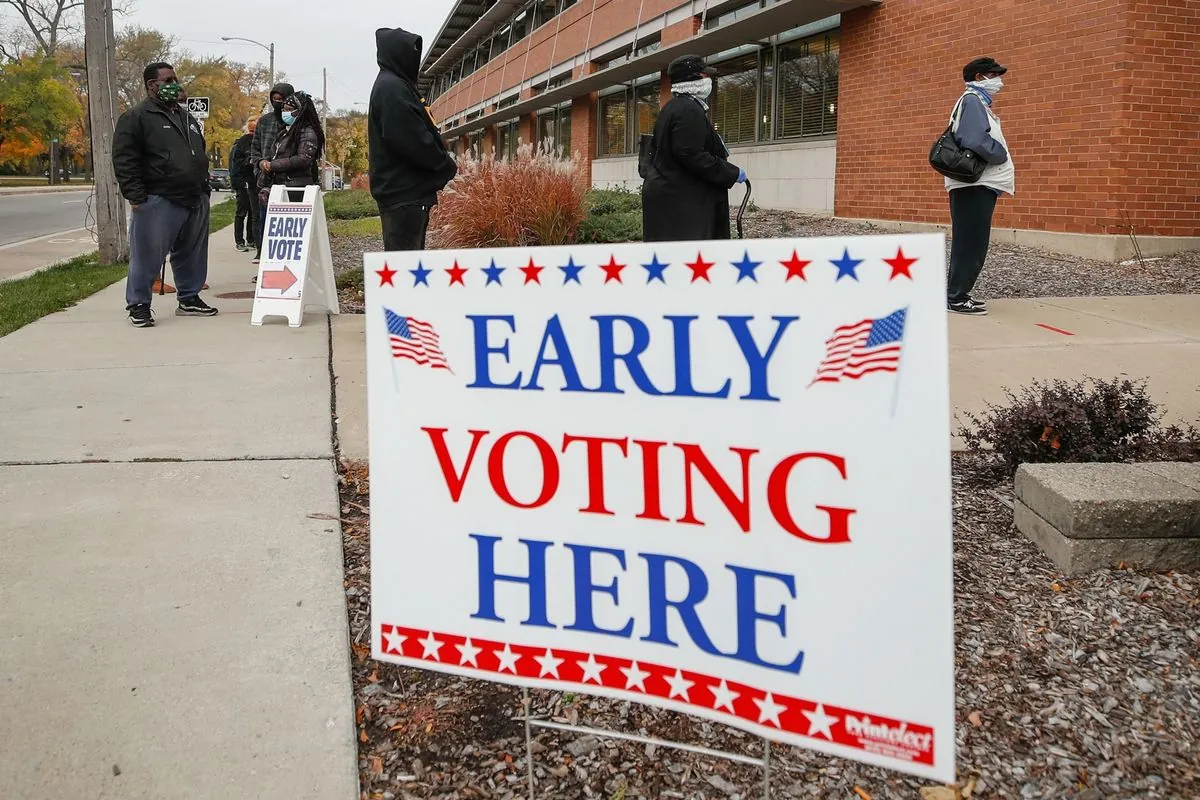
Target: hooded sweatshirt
<point x="409" y="162"/>
<point x="270" y="125"/>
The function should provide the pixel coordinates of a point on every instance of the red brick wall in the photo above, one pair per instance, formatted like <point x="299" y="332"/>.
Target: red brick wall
<point x="1097" y="109"/>
<point x="583" y="132"/>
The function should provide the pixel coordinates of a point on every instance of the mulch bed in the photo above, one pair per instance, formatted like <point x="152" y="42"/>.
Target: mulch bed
<point x="1084" y="689"/>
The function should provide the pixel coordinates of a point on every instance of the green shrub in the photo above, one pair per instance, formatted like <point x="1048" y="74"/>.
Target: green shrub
<point x="614" y="201"/>
<point x="1082" y="421"/>
<point x="615" y="228"/>
<point x="350" y="279"/>
<point x="350" y="204"/>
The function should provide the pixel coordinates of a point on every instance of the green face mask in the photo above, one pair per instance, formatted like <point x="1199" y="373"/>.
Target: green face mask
<point x="168" y="92"/>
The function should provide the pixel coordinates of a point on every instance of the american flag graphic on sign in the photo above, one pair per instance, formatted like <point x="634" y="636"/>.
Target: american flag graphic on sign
<point x="872" y="345"/>
<point x="415" y="340"/>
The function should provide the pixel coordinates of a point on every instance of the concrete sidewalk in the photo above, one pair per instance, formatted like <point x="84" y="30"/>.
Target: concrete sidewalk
<point x="171" y="597"/>
<point x="1152" y="337"/>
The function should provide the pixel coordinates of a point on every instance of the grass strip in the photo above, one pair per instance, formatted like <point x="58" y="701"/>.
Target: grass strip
<point x="220" y="215"/>
<point x="27" y="299"/>
<point x="364" y="226"/>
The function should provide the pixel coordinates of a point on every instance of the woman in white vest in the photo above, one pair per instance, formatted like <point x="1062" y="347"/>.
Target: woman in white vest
<point x="977" y="128"/>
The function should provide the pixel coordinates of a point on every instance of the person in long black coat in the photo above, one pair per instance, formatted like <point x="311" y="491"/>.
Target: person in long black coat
<point x="685" y="194"/>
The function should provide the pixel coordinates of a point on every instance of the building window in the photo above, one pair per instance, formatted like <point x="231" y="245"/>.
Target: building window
<point x="648" y="103"/>
<point x="566" y="4"/>
<point x="544" y="11"/>
<point x="520" y="26"/>
<point x="506" y="140"/>
<point x="554" y="130"/>
<point x="614" y="123"/>
<point x="766" y="117"/>
<point x="808" y="87"/>
<point x="734" y="102"/>
<point x="500" y="40"/>
<point x="648" y="45"/>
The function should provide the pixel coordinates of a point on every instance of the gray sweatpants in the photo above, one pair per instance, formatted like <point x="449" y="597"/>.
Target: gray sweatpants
<point x="160" y="228"/>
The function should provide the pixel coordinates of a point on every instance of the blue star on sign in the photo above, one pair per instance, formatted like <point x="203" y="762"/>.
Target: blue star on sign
<point x="655" y="270"/>
<point x="493" y="274"/>
<point x="846" y="265"/>
<point x="746" y="267"/>
<point x="420" y="275"/>
<point x="571" y="272"/>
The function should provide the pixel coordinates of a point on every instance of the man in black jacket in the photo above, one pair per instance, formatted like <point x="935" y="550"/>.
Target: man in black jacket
<point x="262" y="148"/>
<point x="241" y="178"/>
<point x="685" y="195"/>
<point x="409" y="162"/>
<point x="161" y="165"/>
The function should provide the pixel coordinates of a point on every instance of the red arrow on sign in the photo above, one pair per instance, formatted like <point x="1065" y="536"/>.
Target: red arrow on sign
<point x="282" y="279"/>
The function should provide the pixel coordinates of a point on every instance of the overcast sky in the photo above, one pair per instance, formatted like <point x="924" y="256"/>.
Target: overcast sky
<point x="308" y="35"/>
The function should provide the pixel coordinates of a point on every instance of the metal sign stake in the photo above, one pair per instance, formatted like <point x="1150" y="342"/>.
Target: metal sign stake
<point x="528" y="741"/>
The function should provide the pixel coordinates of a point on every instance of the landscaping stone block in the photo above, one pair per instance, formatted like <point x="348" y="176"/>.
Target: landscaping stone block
<point x="1111" y="501"/>
<point x="1092" y="516"/>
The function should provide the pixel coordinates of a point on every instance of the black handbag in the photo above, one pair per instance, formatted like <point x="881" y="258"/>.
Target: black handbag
<point x="953" y="160"/>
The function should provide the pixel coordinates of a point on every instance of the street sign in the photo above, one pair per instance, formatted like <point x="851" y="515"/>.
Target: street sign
<point x="198" y="107"/>
<point x="712" y="477"/>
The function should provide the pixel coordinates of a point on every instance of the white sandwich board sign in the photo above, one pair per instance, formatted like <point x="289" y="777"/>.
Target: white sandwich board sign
<point x="712" y="477"/>
<point x="296" y="267"/>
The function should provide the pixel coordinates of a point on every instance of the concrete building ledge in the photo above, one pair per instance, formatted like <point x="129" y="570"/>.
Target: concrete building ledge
<point x="1102" y="247"/>
<point x="1092" y="516"/>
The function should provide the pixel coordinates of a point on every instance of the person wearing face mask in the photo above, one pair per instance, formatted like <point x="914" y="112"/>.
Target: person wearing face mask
<point x="685" y="194"/>
<point x="161" y="165"/>
<point x="977" y="128"/>
<point x="297" y="154"/>
<point x="262" y="146"/>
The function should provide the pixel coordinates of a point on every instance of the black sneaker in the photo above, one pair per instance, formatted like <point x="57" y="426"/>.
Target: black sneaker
<point x="140" y="316"/>
<point x="977" y="303"/>
<point x="241" y="248"/>
<point x="194" y="307"/>
<point x="967" y="307"/>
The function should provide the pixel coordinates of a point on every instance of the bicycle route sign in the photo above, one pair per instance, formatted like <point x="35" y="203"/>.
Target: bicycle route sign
<point x="199" y="107"/>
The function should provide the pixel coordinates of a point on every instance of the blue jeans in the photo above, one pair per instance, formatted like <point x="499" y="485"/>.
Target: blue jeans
<point x="159" y="229"/>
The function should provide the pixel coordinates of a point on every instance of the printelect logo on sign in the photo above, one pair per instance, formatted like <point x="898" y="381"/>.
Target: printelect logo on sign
<point x="899" y="737"/>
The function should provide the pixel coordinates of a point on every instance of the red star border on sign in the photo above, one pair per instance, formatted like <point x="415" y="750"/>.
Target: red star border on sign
<point x="532" y="273"/>
<point x="385" y="275"/>
<point x="700" y="268"/>
<point x="456" y="274"/>
<point x="795" y="267"/>
<point x="900" y="265"/>
<point x="612" y="270"/>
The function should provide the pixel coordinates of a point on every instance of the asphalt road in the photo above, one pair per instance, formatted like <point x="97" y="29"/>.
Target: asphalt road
<point x="27" y="216"/>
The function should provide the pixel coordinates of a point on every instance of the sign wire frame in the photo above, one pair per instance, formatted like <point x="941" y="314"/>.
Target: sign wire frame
<point x="530" y="723"/>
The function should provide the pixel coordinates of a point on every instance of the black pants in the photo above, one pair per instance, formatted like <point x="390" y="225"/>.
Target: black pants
<point x="971" y="210"/>
<point x="245" y="219"/>
<point x="404" y="228"/>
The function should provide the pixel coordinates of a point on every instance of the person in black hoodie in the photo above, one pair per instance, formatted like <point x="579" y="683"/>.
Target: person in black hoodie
<point x="409" y="162"/>
<point x="161" y="165"/>
<point x="241" y="177"/>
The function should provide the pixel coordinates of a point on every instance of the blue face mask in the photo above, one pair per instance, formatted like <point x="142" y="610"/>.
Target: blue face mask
<point x="289" y="118"/>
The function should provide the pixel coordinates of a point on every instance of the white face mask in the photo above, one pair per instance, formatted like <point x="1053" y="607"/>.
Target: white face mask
<point x="700" y="88"/>
<point x="990" y="85"/>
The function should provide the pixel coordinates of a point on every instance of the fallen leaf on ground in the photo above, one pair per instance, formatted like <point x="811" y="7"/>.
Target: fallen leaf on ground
<point x="939" y="793"/>
<point x="976" y="719"/>
<point x="862" y="793"/>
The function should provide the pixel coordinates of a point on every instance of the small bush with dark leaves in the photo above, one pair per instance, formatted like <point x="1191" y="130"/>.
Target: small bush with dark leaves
<point x="1089" y="420"/>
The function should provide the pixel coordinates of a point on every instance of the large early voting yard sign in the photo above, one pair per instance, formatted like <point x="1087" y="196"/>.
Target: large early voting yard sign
<point x="712" y="477"/>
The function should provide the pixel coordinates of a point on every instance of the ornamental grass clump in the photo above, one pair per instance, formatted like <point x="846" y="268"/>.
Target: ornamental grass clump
<point x="1089" y="420"/>
<point x="535" y="198"/>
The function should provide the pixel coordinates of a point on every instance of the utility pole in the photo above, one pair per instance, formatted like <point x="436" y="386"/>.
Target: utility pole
<point x="272" y="49"/>
<point x="100" y="52"/>
<point x="324" y="97"/>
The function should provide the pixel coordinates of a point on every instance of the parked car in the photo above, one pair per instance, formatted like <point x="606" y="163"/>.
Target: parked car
<point x="219" y="179"/>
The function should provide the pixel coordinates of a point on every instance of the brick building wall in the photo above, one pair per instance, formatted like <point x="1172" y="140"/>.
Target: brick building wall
<point x="1099" y="109"/>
